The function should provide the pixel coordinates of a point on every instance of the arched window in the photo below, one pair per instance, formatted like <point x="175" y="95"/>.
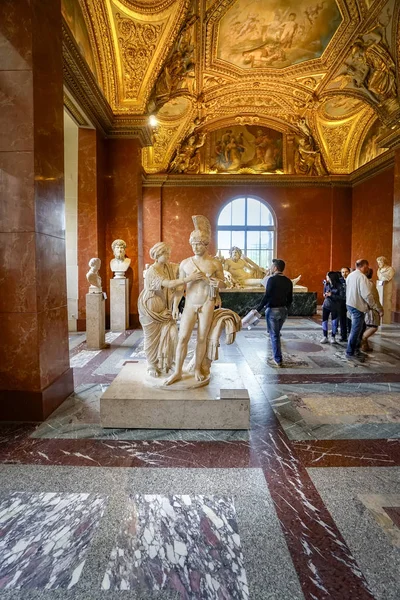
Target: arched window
<point x="249" y="224"/>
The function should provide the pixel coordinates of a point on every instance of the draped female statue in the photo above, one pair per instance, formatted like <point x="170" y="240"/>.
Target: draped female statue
<point x="158" y="309"/>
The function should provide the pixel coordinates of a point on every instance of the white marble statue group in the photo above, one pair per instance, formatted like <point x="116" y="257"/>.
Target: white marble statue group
<point x="202" y="277"/>
<point x="199" y="278"/>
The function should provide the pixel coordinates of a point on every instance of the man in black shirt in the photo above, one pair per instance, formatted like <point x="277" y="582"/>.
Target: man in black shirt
<point x="277" y="300"/>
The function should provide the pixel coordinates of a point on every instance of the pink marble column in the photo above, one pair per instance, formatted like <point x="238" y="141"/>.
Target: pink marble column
<point x="151" y="221"/>
<point x="122" y="208"/>
<point x="91" y="223"/>
<point x="35" y="375"/>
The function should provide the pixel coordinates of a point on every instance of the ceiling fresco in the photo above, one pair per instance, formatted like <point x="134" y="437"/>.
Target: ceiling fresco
<point x="276" y="33"/>
<point x="306" y="78"/>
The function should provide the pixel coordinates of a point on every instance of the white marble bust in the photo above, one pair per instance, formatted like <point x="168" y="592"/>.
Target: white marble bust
<point x="385" y="271"/>
<point x="93" y="276"/>
<point x="120" y="263"/>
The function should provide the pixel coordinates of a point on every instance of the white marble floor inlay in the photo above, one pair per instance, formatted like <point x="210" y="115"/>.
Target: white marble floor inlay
<point x="186" y="544"/>
<point x="81" y="360"/>
<point x="44" y="538"/>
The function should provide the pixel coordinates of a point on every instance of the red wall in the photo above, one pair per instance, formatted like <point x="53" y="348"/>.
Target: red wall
<point x="314" y="223"/>
<point x="91" y="225"/>
<point x="122" y="202"/>
<point x="396" y="240"/>
<point x="373" y="218"/>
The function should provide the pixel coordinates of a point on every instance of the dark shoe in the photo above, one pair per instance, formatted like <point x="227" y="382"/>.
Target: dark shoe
<point x="355" y="358"/>
<point x="272" y="363"/>
<point x="342" y="339"/>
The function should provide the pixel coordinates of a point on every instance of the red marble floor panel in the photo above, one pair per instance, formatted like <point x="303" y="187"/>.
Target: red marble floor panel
<point x="394" y="514"/>
<point x="118" y="453"/>
<point x="322" y="559"/>
<point x="348" y="453"/>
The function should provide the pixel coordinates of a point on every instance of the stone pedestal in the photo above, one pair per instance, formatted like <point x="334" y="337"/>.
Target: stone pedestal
<point x="129" y="403"/>
<point x="119" y="304"/>
<point x="95" y="322"/>
<point x="385" y="290"/>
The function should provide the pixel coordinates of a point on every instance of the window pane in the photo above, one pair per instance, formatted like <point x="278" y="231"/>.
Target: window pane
<point x="238" y="208"/>
<point x="238" y="239"/>
<point x="264" y="255"/>
<point x="224" y="252"/>
<point x="254" y="255"/>
<point x="267" y="240"/>
<point x="225" y="218"/>
<point x="253" y="211"/>
<point x="253" y="240"/>
<point x="224" y="239"/>
<point x="266" y="216"/>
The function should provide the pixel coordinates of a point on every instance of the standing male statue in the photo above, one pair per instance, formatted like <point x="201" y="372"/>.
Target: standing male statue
<point x="201" y="298"/>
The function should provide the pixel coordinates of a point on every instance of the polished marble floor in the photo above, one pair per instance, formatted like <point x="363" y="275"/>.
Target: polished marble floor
<point x="306" y="504"/>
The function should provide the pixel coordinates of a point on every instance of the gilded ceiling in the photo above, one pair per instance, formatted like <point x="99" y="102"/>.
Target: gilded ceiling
<point x="306" y="87"/>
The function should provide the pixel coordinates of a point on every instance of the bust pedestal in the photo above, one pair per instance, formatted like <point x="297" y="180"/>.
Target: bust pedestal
<point x="385" y="290"/>
<point x="119" y="304"/>
<point x="95" y="321"/>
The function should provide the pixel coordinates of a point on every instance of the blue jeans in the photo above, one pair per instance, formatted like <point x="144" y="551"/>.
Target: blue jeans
<point x="275" y="318"/>
<point x="357" y="323"/>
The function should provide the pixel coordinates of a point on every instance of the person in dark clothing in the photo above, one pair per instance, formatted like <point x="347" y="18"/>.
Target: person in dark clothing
<point x="333" y="292"/>
<point x="277" y="300"/>
<point x="345" y="322"/>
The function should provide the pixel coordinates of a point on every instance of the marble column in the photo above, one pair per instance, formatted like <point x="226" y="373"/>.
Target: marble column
<point x="396" y="240"/>
<point x="151" y="224"/>
<point x="91" y="222"/>
<point x="124" y="190"/>
<point x="35" y="376"/>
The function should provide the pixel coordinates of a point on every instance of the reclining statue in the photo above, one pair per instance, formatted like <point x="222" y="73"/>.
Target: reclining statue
<point x="242" y="269"/>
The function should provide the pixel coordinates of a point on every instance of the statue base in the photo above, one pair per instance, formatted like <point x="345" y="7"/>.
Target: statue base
<point x="130" y="403"/>
<point x="119" y="304"/>
<point x="188" y="382"/>
<point x="385" y="291"/>
<point x="95" y="322"/>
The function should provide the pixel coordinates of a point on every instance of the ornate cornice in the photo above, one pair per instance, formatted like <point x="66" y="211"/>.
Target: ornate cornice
<point x="146" y="7"/>
<point x="377" y="165"/>
<point x="165" y="180"/>
<point x="134" y="127"/>
<point x="82" y="85"/>
<point x="391" y="141"/>
<point x="75" y="112"/>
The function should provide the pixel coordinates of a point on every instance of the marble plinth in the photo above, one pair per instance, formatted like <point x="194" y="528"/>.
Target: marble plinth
<point x="385" y="291"/>
<point x="119" y="304"/>
<point x="129" y="403"/>
<point x="303" y="305"/>
<point x="95" y="322"/>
